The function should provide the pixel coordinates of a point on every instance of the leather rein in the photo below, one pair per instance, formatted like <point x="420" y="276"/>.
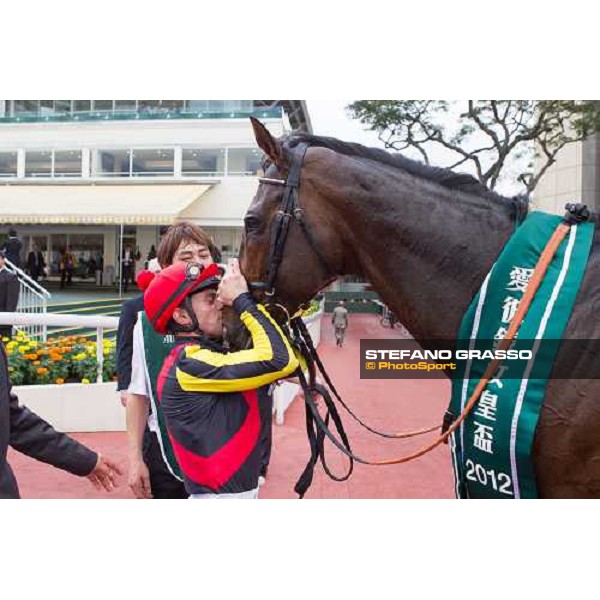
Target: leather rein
<point x="317" y="426"/>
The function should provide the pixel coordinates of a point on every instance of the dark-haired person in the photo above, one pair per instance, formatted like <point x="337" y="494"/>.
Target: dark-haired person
<point x="66" y="266"/>
<point x="128" y="261"/>
<point x="35" y="263"/>
<point x="9" y="294"/>
<point x="153" y="469"/>
<point x="127" y="320"/>
<point x="209" y="396"/>
<point x="12" y="246"/>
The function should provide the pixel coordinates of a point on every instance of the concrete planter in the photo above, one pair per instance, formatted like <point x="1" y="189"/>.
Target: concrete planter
<point x="97" y="407"/>
<point x="76" y="406"/>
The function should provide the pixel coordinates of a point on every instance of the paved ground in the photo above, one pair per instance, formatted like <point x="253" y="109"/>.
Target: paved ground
<point x="387" y="405"/>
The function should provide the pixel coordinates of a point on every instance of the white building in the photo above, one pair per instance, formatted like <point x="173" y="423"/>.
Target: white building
<point x="79" y="172"/>
<point x="574" y="177"/>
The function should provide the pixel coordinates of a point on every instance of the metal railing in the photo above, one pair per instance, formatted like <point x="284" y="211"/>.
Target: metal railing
<point x="33" y="299"/>
<point x="275" y="112"/>
<point x="100" y="323"/>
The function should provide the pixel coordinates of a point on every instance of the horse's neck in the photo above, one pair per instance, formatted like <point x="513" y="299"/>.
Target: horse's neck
<point x="427" y="253"/>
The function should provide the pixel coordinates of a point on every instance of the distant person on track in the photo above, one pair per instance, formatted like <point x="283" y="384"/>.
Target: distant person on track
<point x="339" y="320"/>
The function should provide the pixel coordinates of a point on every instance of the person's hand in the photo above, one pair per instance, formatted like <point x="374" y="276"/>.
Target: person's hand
<point x="123" y="394"/>
<point x="104" y="474"/>
<point x="317" y="398"/>
<point x="139" y="479"/>
<point x="233" y="283"/>
<point x="314" y="395"/>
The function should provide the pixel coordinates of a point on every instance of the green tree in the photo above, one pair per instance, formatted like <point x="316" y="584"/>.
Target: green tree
<point x="490" y="135"/>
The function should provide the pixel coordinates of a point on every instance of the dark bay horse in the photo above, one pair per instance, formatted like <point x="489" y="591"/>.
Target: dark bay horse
<point x="425" y="238"/>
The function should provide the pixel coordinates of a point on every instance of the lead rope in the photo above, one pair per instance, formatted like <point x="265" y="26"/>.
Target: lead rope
<point x="317" y="359"/>
<point x="575" y="214"/>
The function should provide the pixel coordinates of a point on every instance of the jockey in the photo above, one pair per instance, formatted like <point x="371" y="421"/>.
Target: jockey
<point x="209" y="396"/>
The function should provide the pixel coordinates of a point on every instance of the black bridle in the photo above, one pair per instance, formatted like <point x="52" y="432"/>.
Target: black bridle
<point x="288" y="213"/>
<point x="317" y="428"/>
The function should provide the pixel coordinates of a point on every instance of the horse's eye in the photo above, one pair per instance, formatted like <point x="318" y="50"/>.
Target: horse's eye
<point x="252" y="223"/>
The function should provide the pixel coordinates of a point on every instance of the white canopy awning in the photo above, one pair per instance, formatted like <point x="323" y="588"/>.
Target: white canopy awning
<point x="92" y="204"/>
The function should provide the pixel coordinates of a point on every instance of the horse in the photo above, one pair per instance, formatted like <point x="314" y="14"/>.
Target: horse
<point x="425" y="238"/>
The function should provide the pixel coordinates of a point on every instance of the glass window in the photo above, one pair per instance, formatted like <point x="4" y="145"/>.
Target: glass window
<point x="62" y="106"/>
<point x="148" y="106"/>
<point x="216" y="105"/>
<point x="38" y="163"/>
<point x="244" y="161"/>
<point x="67" y="163"/>
<point x="202" y="161"/>
<point x="154" y="162"/>
<point x="82" y="105"/>
<point x="197" y="105"/>
<point x="102" y="104"/>
<point x="237" y="105"/>
<point x="8" y="164"/>
<point x="26" y="106"/>
<point x="172" y="104"/>
<point x="88" y="249"/>
<point x="46" y="107"/>
<point x="113" y="163"/>
<point x="124" y="104"/>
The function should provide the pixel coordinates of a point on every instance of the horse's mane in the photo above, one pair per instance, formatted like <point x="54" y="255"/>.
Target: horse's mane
<point x="445" y="177"/>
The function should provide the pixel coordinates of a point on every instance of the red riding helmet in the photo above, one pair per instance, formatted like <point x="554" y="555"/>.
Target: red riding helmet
<point x="172" y="286"/>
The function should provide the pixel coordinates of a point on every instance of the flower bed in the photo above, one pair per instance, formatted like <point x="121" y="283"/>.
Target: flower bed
<point x="313" y="308"/>
<point x="59" y="360"/>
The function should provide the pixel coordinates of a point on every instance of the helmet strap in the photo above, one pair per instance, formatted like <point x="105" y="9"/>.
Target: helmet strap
<point x="194" y="326"/>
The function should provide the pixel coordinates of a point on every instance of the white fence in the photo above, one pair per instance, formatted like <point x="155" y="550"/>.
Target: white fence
<point x="97" y="322"/>
<point x="33" y="299"/>
<point x="64" y="402"/>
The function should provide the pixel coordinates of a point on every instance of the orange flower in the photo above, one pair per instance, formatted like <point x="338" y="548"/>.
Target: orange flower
<point x="60" y="380"/>
<point x="36" y="363"/>
<point x="41" y="370"/>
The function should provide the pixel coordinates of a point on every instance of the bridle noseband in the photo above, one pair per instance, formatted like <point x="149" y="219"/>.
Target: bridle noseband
<point x="289" y="211"/>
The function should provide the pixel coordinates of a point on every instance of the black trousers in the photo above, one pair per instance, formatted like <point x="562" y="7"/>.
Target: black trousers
<point x="162" y="484"/>
<point x="265" y="407"/>
<point x="66" y="274"/>
<point x="127" y="276"/>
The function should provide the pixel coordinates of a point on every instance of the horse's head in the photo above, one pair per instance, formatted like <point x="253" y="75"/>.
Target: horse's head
<point x="310" y="251"/>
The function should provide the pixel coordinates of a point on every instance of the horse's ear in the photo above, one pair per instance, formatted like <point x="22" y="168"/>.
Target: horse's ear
<point x="266" y="142"/>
